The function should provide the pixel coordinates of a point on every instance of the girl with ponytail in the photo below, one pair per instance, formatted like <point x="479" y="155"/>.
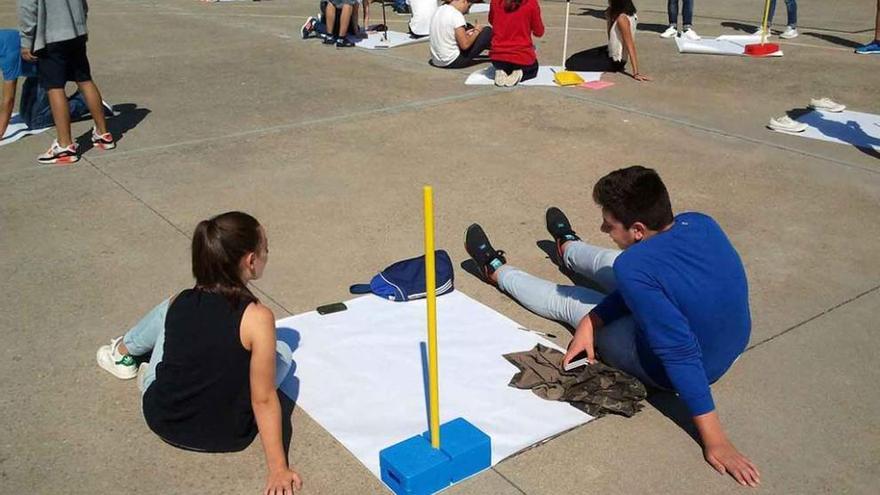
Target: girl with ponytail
<point x="210" y="384"/>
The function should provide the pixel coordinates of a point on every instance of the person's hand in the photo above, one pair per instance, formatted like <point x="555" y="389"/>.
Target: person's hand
<point x="282" y="482"/>
<point x="582" y="341"/>
<point x="726" y="459"/>
<point x="27" y="55"/>
<point x="641" y="77"/>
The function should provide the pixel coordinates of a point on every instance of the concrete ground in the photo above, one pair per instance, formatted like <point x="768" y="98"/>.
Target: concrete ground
<point x="224" y="107"/>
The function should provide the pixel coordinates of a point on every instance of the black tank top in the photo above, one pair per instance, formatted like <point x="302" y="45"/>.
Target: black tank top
<point x="201" y="398"/>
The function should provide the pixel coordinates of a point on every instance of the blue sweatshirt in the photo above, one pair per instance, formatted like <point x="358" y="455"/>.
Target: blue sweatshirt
<point x="687" y="290"/>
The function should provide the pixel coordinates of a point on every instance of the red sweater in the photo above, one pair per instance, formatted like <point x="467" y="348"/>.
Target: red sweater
<point x="512" y="32"/>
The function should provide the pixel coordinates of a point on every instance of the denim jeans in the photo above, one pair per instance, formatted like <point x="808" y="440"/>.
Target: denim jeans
<point x="149" y="335"/>
<point x="790" y="7"/>
<point x="615" y="342"/>
<point x="34" y="105"/>
<point x="687" y="12"/>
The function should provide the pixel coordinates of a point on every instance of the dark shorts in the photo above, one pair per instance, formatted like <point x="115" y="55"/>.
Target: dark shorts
<point x="63" y="61"/>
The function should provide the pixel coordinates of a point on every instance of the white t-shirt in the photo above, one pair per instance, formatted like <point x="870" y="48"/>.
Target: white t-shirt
<point x="422" y="12"/>
<point x="444" y="48"/>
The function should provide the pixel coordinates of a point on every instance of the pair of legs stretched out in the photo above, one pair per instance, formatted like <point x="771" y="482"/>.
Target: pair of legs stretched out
<point x="616" y="342"/>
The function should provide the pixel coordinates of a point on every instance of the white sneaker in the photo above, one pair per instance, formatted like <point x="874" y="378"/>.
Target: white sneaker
<point x="759" y="32"/>
<point x="690" y="34"/>
<point x="514" y="78"/>
<point x="786" y="124"/>
<point x="789" y="33"/>
<point x="119" y="365"/>
<point x="500" y="77"/>
<point x="827" y="104"/>
<point x="670" y="32"/>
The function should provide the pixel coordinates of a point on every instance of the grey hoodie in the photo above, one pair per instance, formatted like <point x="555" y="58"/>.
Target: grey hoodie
<point x="49" y="21"/>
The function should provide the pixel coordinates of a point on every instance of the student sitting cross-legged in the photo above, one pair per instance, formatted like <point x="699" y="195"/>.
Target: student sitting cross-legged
<point x="210" y="385"/>
<point x="454" y="44"/>
<point x="514" y="22"/>
<point x="676" y="313"/>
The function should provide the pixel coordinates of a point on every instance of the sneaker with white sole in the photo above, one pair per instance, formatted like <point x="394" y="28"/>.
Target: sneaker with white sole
<point x="789" y="33"/>
<point x="514" y="78"/>
<point x="121" y="366"/>
<point x="827" y="104"/>
<point x="871" y="48"/>
<point x="104" y="141"/>
<point x="57" y="154"/>
<point x="308" y="27"/>
<point x="759" y="32"/>
<point x="671" y="31"/>
<point x="690" y="34"/>
<point x="786" y="124"/>
<point x="500" y="78"/>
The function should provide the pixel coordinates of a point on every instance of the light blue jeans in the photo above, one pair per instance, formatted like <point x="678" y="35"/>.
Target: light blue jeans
<point x="615" y="342"/>
<point x="149" y="335"/>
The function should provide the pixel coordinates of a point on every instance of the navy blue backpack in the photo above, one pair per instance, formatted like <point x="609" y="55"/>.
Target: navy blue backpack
<point x="405" y="280"/>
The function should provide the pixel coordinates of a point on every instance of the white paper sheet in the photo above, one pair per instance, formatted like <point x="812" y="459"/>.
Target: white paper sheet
<point x="479" y="8"/>
<point x="359" y="374"/>
<point x="17" y="129"/>
<point x="376" y="41"/>
<point x="852" y="128"/>
<point x="723" y="45"/>
<point x="486" y="77"/>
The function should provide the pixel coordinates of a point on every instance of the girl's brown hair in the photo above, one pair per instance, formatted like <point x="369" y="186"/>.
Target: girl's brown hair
<point x="218" y="245"/>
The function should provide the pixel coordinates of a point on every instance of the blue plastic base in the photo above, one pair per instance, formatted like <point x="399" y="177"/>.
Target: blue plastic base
<point x="413" y="467"/>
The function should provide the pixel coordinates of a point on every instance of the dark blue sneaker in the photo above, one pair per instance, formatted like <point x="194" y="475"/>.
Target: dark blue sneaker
<point x="560" y="228"/>
<point x="871" y="48"/>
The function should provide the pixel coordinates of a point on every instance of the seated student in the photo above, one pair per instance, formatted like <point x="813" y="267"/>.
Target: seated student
<point x="512" y="52"/>
<point x="345" y="7"/>
<point x="422" y="12"/>
<point x="210" y="383"/>
<point x="453" y="44"/>
<point x="677" y="311"/>
<point x="621" y="23"/>
<point x="34" y="104"/>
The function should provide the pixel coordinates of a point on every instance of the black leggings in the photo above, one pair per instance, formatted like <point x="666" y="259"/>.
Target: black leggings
<point x="594" y="60"/>
<point x="529" y="71"/>
<point x="466" y="57"/>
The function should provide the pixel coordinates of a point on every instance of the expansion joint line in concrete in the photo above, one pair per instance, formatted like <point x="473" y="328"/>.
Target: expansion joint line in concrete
<point x="505" y="478"/>
<point x="814" y="317"/>
<point x="414" y="105"/>
<point x="710" y="130"/>
<point x="172" y="224"/>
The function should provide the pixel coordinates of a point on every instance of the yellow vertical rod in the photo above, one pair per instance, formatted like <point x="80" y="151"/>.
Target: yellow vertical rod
<point x="764" y="27"/>
<point x="431" y="293"/>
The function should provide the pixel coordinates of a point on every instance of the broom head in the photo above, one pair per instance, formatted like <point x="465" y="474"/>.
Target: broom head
<point x="761" y="49"/>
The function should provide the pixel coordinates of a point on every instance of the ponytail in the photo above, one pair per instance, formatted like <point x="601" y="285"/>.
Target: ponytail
<point x="218" y="245"/>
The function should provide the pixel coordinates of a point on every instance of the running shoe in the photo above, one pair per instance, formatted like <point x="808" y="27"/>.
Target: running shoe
<point x="58" y="155"/>
<point x="690" y="34"/>
<point x="827" y="104"/>
<point x="122" y="366"/>
<point x="671" y="31"/>
<point x="871" y="48"/>
<point x="786" y="124"/>
<point x="104" y="141"/>
<point x="487" y="258"/>
<point x="560" y="228"/>
<point x="308" y="27"/>
<point x="789" y="33"/>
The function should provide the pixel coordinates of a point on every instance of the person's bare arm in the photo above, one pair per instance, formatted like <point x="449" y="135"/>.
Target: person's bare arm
<point x="465" y="37"/>
<point x="583" y="338"/>
<point x="258" y="334"/>
<point x="629" y="44"/>
<point x="721" y="454"/>
<point x="7" y="103"/>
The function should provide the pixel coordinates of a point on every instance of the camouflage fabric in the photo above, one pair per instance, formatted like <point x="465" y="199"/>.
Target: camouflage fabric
<point x="596" y="389"/>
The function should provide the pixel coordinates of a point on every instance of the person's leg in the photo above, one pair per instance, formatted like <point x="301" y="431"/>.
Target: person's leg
<point x="791" y="9"/>
<point x="568" y="304"/>
<point x="482" y="43"/>
<point x="60" y="115"/>
<point x="530" y="72"/>
<point x="687" y="14"/>
<point x="591" y="261"/>
<point x="771" y="14"/>
<point x="344" y="20"/>
<point x="592" y="60"/>
<point x="148" y="335"/>
<point x="91" y="94"/>
<point x="672" y="11"/>
<point x="616" y="346"/>
<point x="330" y="19"/>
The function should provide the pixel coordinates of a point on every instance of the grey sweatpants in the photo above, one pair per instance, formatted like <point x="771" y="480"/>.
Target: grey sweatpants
<point x="616" y="341"/>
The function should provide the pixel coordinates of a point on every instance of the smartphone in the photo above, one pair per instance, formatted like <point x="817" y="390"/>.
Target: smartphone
<point x="580" y="359"/>
<point x="331" y="308"/>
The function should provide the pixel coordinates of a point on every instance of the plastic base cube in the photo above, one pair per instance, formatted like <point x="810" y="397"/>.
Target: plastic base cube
<point x="413" y="467"/>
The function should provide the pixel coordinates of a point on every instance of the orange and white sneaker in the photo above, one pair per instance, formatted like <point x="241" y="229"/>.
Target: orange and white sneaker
<point x="57" y="154"/>
<point x="104" y="141"/>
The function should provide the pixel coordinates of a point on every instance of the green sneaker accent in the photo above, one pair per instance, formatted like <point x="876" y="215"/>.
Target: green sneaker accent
<point x="126" y="360"/>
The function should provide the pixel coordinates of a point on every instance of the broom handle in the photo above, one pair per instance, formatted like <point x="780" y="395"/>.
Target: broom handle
<point x="565" y="36"/>
<point x="764" y="26"/>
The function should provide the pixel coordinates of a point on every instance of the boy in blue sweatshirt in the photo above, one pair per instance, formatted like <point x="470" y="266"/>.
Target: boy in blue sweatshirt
<point x="675" y="312"/>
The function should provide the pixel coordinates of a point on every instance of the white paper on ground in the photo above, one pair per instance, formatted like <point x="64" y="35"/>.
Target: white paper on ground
<point x="853" y="128"/>
<point x="359" y="374"/>
<point x="376" y="41"/>
<point x="17" y="129"/>
<point x="723" y="45"/>
<point x="486" y="77"/>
